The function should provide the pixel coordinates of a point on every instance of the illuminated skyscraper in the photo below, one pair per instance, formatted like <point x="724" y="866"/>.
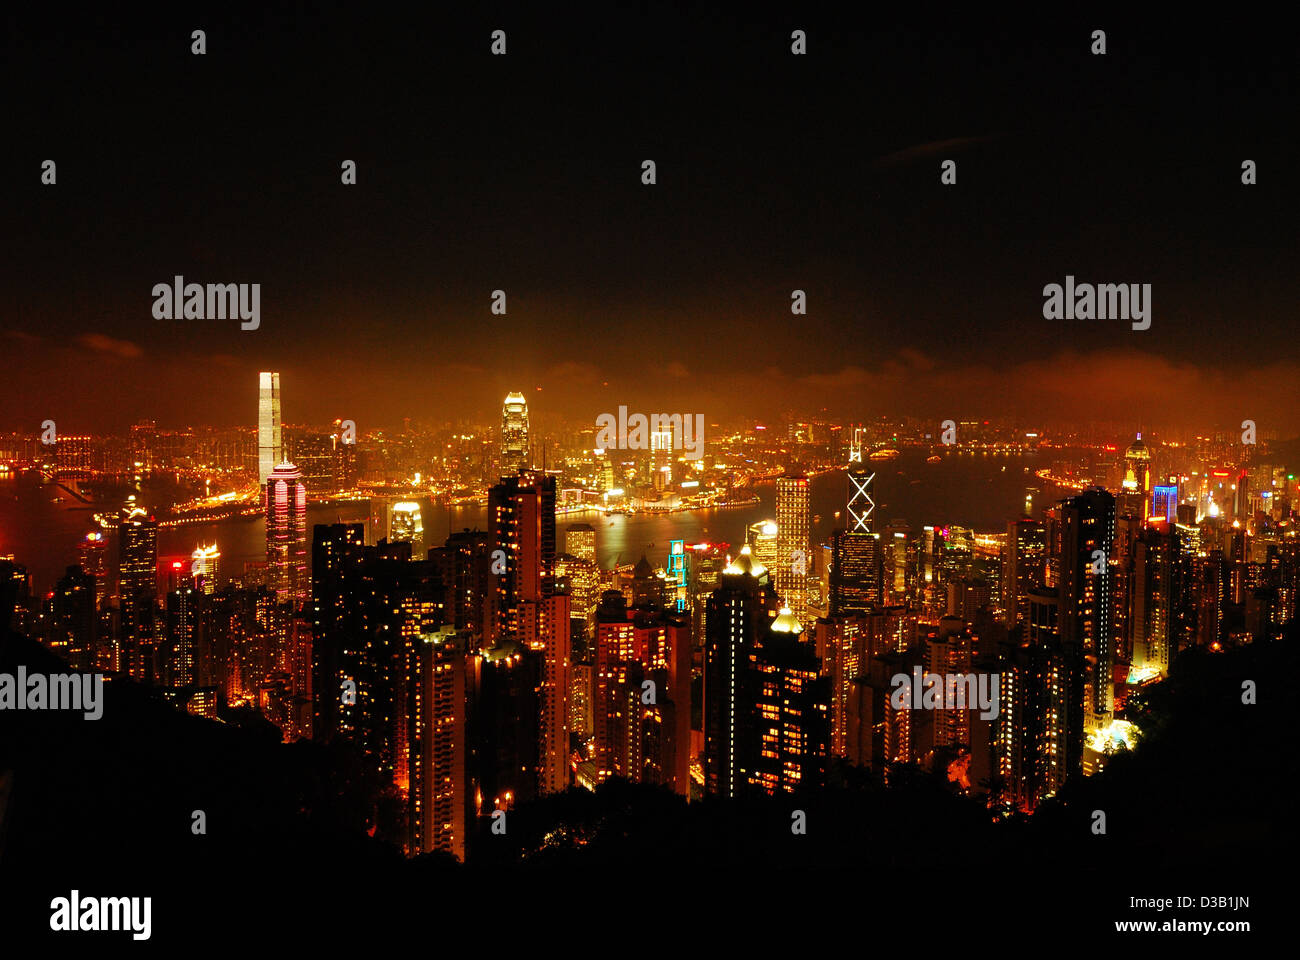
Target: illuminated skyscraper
<point x="338" y="624"/>
<point x="270" y="438"/>
<point x="642" y="695"/>
<point x="663" y="641"/>
<point x="74" y="457"/>
<point x="1210" y="574"/>
<point x="286" y="535"/>
<point x="738" y="613"/>
<point x="861" y="504"/>
<point x="762" y="538"/>
<point x="849" y="647"/>
<point x="203" y="567"/>
<point x="615" y="646"/>
<point x="262" y="658"/>
<point x="1164" y="501"/>
<point x="580" y="541"/>
<point x="677" y="576"/>
<point x="93" y="552"/>
<point x="1024" y="567"/>
<point x="794" y="562"/>
<point x="138" y="591"/>
<point x="14" y="577"/>
<point x="878" y="734"/>
<point x="403" y="601"/>
<point x="521" y="524"/>
<point x="72" y="633"/>
<point x="181" y="650"/>
<point x="1054" y="715"/>
<point x="529" y="605"/>
<point x="1136" y="497"/>
<point x="791" y="711"/>
<point x="1086" y="613"/>
<point x="855" y="576"/>
<point x="661" y="457"/>
<point x="514" y="433"/>
<point x="505" y="726"/>
<point x="221" y="624"/>
<point x="898" y="556"/>
<point x="578" y="565"/>
<point x="405" y="524"/>
<point x="1155" y="596"/>
<point x="300" y="678"/>
<point x="1034" y="749"/>
<point x="372" y="607"/>
<point x="553" y="643"/>
<point x="464" y="564"/>
<point x="706" y="564"/>
<point x="1124" y="555"/>
<point x="844" y="646"/>
<point x="856" y="563"/>
<point x="949" y="651"/>
<point x="437" y="710"/>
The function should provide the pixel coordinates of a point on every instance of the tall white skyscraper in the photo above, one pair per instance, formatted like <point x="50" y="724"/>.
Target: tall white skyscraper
<point x="514" y="433"/>
<point x="270" y="442"/>
<point x="661" y="457"/>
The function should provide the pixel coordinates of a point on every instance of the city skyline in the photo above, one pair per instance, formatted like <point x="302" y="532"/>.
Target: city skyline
<point x="486" y="475"/>
<point x="446" y="467"/>
<point x="1116" y="420"/>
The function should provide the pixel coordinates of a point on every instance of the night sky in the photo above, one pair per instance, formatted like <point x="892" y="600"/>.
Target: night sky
<point x="523" y="172"/>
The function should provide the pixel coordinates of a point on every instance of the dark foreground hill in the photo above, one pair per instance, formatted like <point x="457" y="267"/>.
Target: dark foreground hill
<point x="106" y="807"/>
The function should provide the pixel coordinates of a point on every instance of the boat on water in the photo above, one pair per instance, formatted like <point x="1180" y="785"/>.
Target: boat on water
<point x="886" y="454"/>
<point x="934" y="459"/>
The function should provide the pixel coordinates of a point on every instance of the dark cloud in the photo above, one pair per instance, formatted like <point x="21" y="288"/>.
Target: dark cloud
<point x="934" y="149"/>
<point x="104" y="344"/>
